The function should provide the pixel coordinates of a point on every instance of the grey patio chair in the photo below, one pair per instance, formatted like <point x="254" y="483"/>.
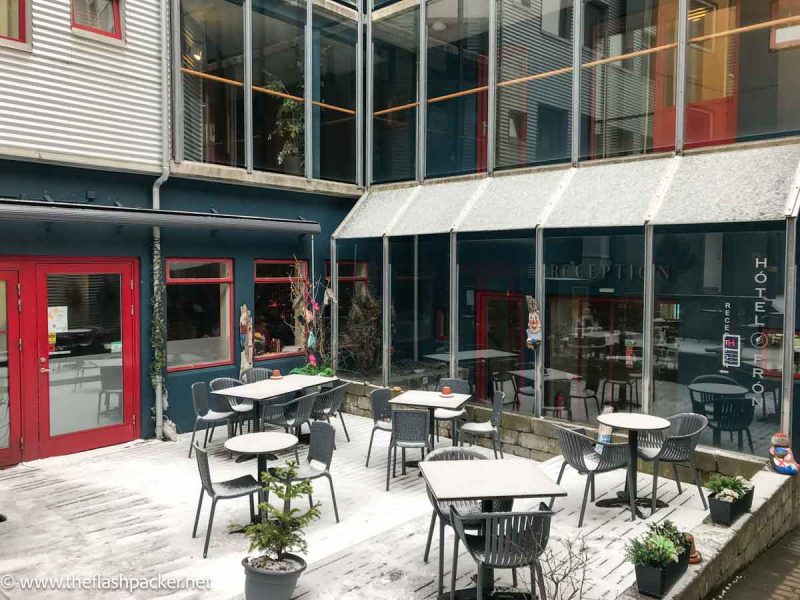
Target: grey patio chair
<point x="522" y="386"/>
<point x="590" y="388"/>
<point x="677" y="448"/>
<point x="507" y="540"/>
<point x="320" y="451"/>
<point x="243" y="408"/>
<point x="254" y="374"/>
<point x="246" y="485"/>
<point x="457" y="386"/>
<point x="329" y="404"/>
<point x="580" y="452"/>
<point x="411" y="429"/>
<point x="381" y="411"/>
<point x="489" y="428"/>
<point x="292" y="414"/>
<point x="203" y="414"/>
<point x="110" y="385"/>
<point x="441" y="510"/>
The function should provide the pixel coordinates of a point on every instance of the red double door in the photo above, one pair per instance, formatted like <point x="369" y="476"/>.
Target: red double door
<point x="69" y="355"/>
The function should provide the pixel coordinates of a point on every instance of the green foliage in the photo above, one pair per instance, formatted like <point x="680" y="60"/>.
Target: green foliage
<point x="309" y="369"/>
<point x="158" y="326"/>
<point x="668" y="530"/>
<point x="364" y="330"/>
<point x="727" y="488"/>
<point x="289" y="121"/>
<point x="281" y="529"/>
<point x="652" y="551"/>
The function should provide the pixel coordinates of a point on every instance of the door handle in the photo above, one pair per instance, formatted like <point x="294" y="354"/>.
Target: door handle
<point x="43" y="370"/>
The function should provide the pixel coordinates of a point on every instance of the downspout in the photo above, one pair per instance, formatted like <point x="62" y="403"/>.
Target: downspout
<point x="156" y="202"/>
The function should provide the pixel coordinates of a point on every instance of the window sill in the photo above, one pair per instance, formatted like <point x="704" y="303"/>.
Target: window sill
<point x="109" y="39"/>
<point x="266" y="357"/>
<point x="180" y="368"/>
<point x="16" y="45"/>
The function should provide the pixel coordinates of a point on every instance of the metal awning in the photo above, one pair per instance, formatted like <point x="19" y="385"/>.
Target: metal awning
<point x="39" y="210"/>
<point x="435" y="208"/>
<point x="374" y="212"/>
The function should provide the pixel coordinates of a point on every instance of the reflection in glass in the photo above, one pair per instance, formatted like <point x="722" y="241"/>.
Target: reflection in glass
<point x="495" y="276"/>
<point x="420" y="346"/>
<point x="627" y="105"/>
<point x="360" y="309"/>
<point x="84" y="319"/>
<point x="212" y="63"/>
<point x="198" y="324"/>
<point x="458" y="70"/>
<point x="718" y="331"/>
<point x="593" y="322"/>
<point x="5" y="398"/>
<point x="395" y="46"/>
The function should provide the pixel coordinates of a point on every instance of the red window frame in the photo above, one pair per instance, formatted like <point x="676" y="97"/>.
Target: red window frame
<point x="116" y="34"/>
<point x="355" y="263"/>
<point x="262" y="280"/>
<point x="191" y="281"/>
<point x="23" y="24"/>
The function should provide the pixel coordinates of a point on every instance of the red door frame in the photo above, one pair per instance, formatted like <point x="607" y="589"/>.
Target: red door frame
<point x="482" y="299"/>
<point x="35" y="406"/>
<point x="12" y="454"/>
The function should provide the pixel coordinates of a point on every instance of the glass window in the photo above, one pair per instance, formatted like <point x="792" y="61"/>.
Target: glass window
<point x="420" y="289"/>
<point x="718" y="330"/>
<point x="742" y="85"/>
<point x="278" y="86"/>
<point x="334" y="96"/>
<point x="212" y="64"/>
<point x="593" y="321"/>
<point x="496" y="279"/>
<point x="97" y="16"/>
<point x="628" y="78"/>
<point x="395" y="47"/>
<point x="458" y="71"/>
<point x="12" y="20"/>
<point x="360" y="309"/>
<point x="199" y="313"/>
<point x="278" y="320"/>
<point x="534" y="92"/>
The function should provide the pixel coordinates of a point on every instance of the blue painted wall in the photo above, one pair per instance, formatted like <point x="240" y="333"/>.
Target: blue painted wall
<point x="65" y="184"/>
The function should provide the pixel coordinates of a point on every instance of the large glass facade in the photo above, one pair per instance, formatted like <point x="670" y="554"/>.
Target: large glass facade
<point x="395" y="48"/>
<point x="718" y="330"/>
<point x="593" y="322"/>
<point x="420" y="299"/>
<point x="496" y="279"/>
<point x="457" y="82"/>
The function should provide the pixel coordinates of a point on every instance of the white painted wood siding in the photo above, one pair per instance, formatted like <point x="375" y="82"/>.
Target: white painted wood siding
<point x="78" y="100"/>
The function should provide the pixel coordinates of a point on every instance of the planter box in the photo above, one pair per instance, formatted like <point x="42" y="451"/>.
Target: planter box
<point x="655" y="581"/>
<point x="725" y="513"/>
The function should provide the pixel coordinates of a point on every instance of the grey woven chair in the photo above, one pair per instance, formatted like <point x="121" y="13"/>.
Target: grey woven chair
<point x="411" y="429"/>
<point x="329" y="404"/>
<point x="254" y="374"/>
<point x="580" y="453"/>
<point x="381" y="411"/>
<point x="590" y="388"/>
<point x="457" y="386"/>
<point x="487" y="428"/>
<point x="441" y="510"/>
<point x="246" y="485"/>
<point x="320" y="450"/>
<point x="292" y="414"/>
<point x="507" y="540"/>
<point x="677" y="449"/>
<point x="243" y="408"/>
<point x="203" y="414"/>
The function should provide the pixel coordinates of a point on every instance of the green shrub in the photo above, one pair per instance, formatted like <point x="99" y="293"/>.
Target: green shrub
<point x="310" y="369"/>
<point x="668" y="530"/>
<point x="651" y="551"/>
<point x="727" y="488"/>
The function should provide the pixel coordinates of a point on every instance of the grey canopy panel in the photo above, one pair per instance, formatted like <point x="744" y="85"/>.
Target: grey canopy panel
<point x="749" y="184"/>
<point x="513" y="201"/>
<point x="607" y="195"/>
<point x="373" y="213"/>
<point x="435" y="208"/>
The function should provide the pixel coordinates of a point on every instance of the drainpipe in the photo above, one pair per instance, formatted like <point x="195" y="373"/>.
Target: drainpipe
<point x="165" y="172"/>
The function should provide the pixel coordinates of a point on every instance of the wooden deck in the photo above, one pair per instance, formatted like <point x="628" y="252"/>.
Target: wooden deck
<point x="128" y="510"/>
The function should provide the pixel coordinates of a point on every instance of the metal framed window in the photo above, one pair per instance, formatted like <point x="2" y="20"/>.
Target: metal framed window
<point x="98" y="17"/>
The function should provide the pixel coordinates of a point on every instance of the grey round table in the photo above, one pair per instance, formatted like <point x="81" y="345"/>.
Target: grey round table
<point x="718" y="389"/>
<point x="633" y="423"/>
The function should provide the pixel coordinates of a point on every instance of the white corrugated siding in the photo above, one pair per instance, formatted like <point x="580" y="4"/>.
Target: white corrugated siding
<point x="88" y="99"/>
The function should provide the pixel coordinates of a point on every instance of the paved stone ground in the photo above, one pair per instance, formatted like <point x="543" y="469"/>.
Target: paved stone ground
<point x="773" y="576"/>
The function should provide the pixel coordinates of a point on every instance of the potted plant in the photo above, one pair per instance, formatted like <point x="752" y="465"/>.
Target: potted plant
<point x="274" y="572"/>
<point x="289" y="126"/>
<point x="730" y="498"/>
<point x="660" y="557"/>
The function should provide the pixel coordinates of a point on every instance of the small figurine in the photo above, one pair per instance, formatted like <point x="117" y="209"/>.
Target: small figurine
<point x="782" y="458"/>
<point x="534" y="331"/>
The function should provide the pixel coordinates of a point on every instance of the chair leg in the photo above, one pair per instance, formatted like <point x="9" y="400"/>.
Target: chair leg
<point x="454" y="569"/>
<point x="388" y="467"/>
<point x="677" y="477"/>
<point x="494" y="447"/>
<point x="749" y="440"/>
<point x="430" y="538"/>
<point x="344" y="426"/>
<point x="252" y="507"/>
<point x="654" y="495"/>
<point x="205" y="440"/>
<point x="480" y="582"/>
<point x="197" y="516"/>
<point x="585" y="497"/>
<point x="213" y="429"/>
<point x="194" y="432"/>
<point x="210" y="524"/>
<point x="699" y="487"/>
<point x="441" y="558"/>
<point x="591" y="492"/>
<point x="310" y="501"/>
<point x="403" y="460"/>
<point x="560" y="475"/>
<point x="631" y="494"/>
<point x="369" y="449"/>
<point x="540" y="577"/>
<point x="333" y="497"/>
<point x="514" y="578"/>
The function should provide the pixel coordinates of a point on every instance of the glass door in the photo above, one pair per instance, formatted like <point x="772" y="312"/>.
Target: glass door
<point x="9" y="370"/>
<point x="87" y="360"/>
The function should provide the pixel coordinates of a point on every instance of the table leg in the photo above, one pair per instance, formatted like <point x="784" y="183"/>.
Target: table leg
<point x="256" y="425"/>
<point x="432" y="412"/>
<point x="633" y="448"/>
